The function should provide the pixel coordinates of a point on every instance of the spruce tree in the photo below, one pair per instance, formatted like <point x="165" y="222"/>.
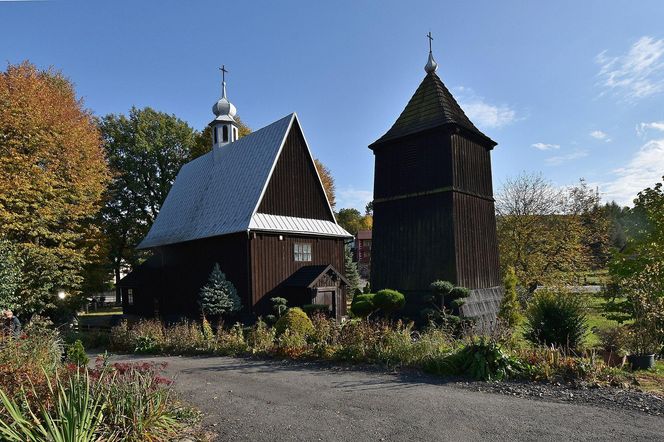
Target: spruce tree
<point x="350" y="269"/>
<point x="218" y="296"/>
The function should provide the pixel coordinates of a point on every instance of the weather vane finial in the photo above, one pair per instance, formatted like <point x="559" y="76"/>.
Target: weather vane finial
<point x="431" y="65"/>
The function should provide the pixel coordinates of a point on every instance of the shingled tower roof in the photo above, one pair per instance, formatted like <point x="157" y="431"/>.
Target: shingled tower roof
<point x="431" y="106"/>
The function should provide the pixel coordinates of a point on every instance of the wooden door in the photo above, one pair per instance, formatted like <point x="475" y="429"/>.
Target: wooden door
<point x="326" y="296"/>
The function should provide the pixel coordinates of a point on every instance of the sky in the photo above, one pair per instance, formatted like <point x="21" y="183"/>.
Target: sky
<point x="568" y="89"/>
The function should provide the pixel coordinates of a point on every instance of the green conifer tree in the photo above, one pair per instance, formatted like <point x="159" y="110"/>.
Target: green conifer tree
<point x="350" y="269"/>
<point x="219" y="296"/>
<point x="510" y="309"/>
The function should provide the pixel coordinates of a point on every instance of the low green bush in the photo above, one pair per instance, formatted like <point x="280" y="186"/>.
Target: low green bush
<point x="556" y="318"/>
<point x="312" y="309"/>
<point x="363" y="305"/>
<point x="296" y="321"/>
<point x="481" y="359"/>
<point x="389" y="300"/>
<point x="76" y="354"/>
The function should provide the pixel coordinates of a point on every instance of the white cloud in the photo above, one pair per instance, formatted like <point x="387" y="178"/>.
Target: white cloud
<point x="545" y="146"/>
<point x="637" y="74"/>
<point x="599" y="135"/>
<point x="560" y="159"/>
<point x="353" y="198"/>
<point x="482" y="113"/>
<point x="642" y="128"/>
<point x="644" y="170"/>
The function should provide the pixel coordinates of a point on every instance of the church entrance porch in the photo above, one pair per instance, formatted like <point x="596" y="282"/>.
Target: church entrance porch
<point x="322" y="285"/>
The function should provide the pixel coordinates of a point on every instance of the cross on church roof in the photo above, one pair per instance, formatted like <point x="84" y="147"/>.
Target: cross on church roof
<point x="224" y="70"/>
<point x="430" y="40"/>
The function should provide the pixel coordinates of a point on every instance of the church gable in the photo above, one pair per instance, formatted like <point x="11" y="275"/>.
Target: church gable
<point x="294" y="189"/>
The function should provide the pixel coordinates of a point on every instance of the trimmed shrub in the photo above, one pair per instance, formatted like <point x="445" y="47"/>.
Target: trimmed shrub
<point x="364" y="297"/>
<point x="296" y="321"/>
<point x="389" y="300"/>
<point x="279" y="306"/>
<point x="556" y="318"/>
<point x="312" y="309"/>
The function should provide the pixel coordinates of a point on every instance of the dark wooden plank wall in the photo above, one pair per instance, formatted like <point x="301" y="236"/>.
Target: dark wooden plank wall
<point x="272" y="261"/>
<point x="294" y="189"/>
<point x="416" y="164"/>
<point x="471" y="164"/>
<point x="475" y="242"/>
<point x="413" y="243"/>
<point x="184" y="268"/>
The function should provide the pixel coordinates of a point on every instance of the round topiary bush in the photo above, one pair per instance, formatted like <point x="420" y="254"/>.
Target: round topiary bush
<point x="296" y="321"/>
<point x="389" y="300"/>
<point x="362" y="309"/>
<point x="364" y="297"/>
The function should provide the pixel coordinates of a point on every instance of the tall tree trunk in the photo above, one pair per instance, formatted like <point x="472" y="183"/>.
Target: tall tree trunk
<point x="118" y="293"/>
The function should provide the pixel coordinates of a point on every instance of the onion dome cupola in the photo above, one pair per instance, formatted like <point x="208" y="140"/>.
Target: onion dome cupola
<point x="224" y="127"/>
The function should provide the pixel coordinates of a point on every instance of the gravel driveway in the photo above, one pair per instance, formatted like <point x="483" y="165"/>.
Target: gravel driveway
<point x="253" y="400"/>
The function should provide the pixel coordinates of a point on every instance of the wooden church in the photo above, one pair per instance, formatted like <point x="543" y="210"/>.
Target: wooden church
<point x="256" y="206"/>
<point x="433" y="204"/>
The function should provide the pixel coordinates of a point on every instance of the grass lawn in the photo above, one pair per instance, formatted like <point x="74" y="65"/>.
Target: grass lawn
<point x="103" y="311"/>
<point x="652" y="380"/>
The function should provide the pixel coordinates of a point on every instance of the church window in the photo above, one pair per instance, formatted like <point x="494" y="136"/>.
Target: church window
<point x="302" y="252"/>
<point x="130" y="297"/>
<point x="224" y="134"/>
<point x="215" y="136"/>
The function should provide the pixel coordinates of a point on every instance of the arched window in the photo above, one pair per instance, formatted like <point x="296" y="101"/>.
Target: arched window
<point x="224" y="134"/>
<point x="215" y="135"/>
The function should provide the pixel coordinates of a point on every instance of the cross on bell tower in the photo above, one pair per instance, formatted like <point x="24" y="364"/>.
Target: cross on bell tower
<point x="431" y="65"/>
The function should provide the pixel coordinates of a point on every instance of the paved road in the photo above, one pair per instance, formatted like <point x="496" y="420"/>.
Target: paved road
<point x="272" y="401"/>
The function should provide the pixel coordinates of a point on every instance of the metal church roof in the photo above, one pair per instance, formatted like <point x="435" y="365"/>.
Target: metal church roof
<point x="218" y="193"/>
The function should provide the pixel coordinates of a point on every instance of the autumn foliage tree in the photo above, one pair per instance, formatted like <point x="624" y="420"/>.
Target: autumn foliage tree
<point x="328" y="182"/>
<point x="52" y="175"/>
<point x="549" y="235"/>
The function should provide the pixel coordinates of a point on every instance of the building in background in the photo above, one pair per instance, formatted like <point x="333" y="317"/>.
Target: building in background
<point x="363" y="253"/>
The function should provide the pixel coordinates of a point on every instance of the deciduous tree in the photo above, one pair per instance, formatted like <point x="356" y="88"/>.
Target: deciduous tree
<point x="204" y="138"/>
<point x="547" y="233"/>
<point x="328" y="182"/>
<point x="352" y="220"/>
<point x="145" y="151"/>
<point x="52" y="176"/>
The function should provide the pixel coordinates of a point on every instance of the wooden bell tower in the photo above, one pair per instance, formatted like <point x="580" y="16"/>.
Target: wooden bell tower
<point x="433" y="203"/>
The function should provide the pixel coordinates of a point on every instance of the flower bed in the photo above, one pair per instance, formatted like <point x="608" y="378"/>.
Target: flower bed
<point x="46" y="399"/>
<point x="393" y="344"/>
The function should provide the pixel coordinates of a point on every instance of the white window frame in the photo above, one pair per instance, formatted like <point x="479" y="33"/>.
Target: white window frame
<point x="130" y="296"/>
<point x="302" y="252"/>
